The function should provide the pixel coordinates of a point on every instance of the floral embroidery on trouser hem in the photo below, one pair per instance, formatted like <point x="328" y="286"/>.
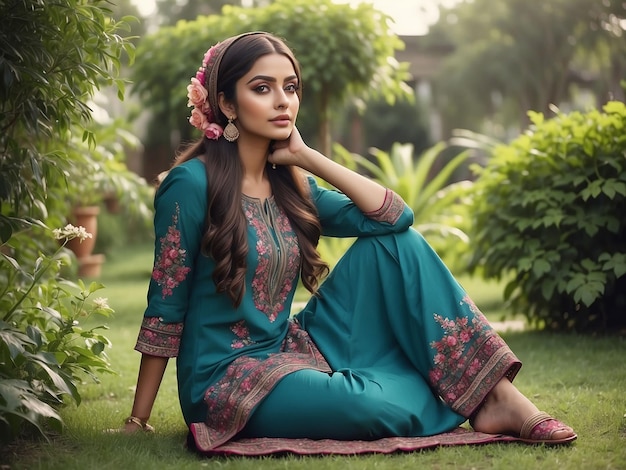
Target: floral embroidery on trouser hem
<point x="469" y="360"/>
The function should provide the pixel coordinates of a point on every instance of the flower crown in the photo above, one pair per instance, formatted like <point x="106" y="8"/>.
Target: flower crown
<point x="202" y="115"/>
<point x="202" y="91"/>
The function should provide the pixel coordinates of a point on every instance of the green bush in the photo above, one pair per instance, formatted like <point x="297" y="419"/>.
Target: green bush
<point x="550" y="215"/>
<point x="44" y="350"/>
<point x="404" y="121"/>
<point x="120" y="229"/>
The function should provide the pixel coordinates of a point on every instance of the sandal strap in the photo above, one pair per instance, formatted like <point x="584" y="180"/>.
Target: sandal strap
<point x="532" y="422"/>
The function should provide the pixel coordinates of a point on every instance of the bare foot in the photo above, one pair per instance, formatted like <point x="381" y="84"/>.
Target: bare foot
<point x="505" y="410"/>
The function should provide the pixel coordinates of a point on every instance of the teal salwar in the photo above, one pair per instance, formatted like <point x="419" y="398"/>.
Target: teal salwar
<point x="350" y="404"/>
<point x="406" y="302"/>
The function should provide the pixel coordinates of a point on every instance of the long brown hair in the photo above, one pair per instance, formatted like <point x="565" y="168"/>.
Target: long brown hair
<point x="225" y="238"/>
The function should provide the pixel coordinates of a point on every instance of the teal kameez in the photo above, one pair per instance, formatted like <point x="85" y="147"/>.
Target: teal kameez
<point x="392" y="346"/>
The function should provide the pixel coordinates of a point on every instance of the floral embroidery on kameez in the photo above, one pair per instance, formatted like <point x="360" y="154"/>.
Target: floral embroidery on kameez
<point x="468" y="358"/>
<point x="169" y="268"/>
<point x="242" y="333"/>
<point x="158" y="338"/>
<point x="278" y="256"/>
<point x="248" y="380"/>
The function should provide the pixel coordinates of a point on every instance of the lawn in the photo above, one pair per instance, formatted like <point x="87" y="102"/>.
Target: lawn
<point x="581" y="380"/>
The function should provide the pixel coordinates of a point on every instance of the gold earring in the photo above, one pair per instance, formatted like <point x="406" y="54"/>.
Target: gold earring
<point x="231" y="133"/>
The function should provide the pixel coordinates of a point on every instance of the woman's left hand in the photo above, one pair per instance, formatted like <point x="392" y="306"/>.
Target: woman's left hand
<point x="367" y="194"/>
<point x="289" y="151"/>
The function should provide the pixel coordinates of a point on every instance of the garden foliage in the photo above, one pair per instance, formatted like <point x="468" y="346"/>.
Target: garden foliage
<point x="45" y="351"/>
<point x="549" y="216"/>
<point x="54" y="56"/>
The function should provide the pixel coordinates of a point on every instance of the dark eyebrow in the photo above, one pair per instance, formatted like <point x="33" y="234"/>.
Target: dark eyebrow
<point x="270" y="79"/>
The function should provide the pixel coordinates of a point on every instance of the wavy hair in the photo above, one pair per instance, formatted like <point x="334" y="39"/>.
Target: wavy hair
<point x="225" y="237"/>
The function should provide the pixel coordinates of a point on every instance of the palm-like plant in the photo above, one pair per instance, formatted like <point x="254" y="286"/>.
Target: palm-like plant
<point x="427" y="189"/>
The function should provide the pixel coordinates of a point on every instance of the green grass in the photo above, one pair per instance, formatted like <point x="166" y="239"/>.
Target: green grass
<point x="581" y="380"/>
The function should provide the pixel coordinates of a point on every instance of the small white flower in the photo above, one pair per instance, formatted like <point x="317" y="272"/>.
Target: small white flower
<point x="101" y="302"/>
<point x="70" y="231"/>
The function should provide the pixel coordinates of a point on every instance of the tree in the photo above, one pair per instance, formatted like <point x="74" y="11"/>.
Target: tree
<point x="171" y="11"/>
<point x="127" y="11"/>
<point x="604" y="40"/>
<point x="344" y="51"/>
<point x="519" y="55"/>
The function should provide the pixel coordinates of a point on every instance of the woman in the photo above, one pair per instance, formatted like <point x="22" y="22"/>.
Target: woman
<point x="389" y="345"/>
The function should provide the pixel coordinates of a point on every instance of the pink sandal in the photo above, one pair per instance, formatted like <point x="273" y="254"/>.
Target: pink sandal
<point x="540" y="427"/>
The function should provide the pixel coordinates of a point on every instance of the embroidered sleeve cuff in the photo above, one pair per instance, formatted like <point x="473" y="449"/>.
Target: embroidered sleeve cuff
<point x="390" y="211"/>
<point x="157" y="338"/>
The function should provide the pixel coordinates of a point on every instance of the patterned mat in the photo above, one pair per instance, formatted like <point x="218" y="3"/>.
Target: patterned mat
<point x="267" y="446"/>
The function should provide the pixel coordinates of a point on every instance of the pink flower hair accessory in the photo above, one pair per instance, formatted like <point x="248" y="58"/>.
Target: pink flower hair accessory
<point x="202" y="91"/>
<point x="202" y="116"/>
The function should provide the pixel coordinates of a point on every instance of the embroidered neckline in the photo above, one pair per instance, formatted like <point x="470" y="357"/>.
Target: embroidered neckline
<point x="278" y="254"/>
<point x="258" y="200"/>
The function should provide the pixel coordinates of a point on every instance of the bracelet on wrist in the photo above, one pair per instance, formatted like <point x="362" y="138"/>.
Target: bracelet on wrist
<point x="139" y="422"/>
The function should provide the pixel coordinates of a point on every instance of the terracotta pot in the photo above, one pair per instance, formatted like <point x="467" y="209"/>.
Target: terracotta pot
<point x="87" y="217"/>
<point x="90" y="266"/>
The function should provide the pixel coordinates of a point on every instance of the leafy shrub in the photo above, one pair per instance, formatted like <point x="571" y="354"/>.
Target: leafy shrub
<point x="549" y="210"/>
<point x="44" y="350"/>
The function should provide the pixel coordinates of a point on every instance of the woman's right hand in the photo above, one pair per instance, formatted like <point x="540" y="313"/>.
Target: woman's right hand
<point x="151" y="370"/>
<point x="134" y="424"/>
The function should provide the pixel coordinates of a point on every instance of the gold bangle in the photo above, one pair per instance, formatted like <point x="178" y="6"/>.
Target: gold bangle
<point x="139" y="422"/>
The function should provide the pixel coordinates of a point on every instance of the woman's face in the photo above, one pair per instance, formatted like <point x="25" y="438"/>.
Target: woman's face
<point x="267" y="99"/>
